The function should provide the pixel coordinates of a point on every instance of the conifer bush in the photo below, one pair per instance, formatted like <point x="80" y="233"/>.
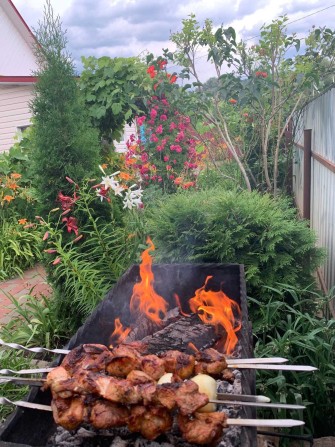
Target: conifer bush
<point x="222" y="226"/>
<point x="65" y="144"/>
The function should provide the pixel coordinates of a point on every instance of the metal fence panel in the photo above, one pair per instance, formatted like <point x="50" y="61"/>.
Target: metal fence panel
<point x="319" y="116"/>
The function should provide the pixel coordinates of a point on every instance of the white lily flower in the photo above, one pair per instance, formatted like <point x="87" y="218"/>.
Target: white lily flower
<point x="118" y="189"/>
<point x="132" y="198"/>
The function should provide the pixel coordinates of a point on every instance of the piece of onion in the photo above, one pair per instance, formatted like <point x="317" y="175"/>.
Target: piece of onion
<point x="166" y="378"/>
<point x="207" y="385"/>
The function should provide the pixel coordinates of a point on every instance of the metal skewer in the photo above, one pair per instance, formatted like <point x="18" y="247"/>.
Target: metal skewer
<point x="275" y="367"/>
<point x="256" y="361"/>
<point x="32" y="405"/>
<point x="40" y="350"/>
<point x="37" y="350"/>
<point x="25" y="371"/>
<point x="257" y="404"/>
<point x="225" y="396"/>
<point x="232" y="363"/>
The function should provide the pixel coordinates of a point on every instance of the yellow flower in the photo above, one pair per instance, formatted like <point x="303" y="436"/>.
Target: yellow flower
<point x="22" y="221"/>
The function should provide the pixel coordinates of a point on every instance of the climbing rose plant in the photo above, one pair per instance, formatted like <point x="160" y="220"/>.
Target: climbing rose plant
<point x="167" y="150"/>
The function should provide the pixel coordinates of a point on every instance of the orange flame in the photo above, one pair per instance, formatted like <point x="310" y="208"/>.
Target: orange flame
<point x="144" y="299"/>
<point x="176" y="297"/>
<point x="193" y="347"/>
<point x="120" y="333"/>
<point x="218" y="309"/>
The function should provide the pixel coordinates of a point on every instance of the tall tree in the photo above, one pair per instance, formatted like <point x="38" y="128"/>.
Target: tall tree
<point x="65" y="144"/>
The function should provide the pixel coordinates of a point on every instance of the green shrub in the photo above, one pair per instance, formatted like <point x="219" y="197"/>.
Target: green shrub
<point x="19" y="247"/>
<point x="303" y="338"/>
<point x="12" y="359"/>
<point x="231" y="227"/>
<point x="35" y="322"/>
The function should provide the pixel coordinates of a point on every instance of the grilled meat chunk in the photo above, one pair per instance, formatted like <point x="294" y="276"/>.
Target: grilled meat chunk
<point x="202" y="428"/>
<point x="139" y="377"/>
<point x="91" y="357"/>
<point x="179" y="363"/>
<point x="153" y="366"/>
<point x="117" y="390"/>
<point x="122" y="361"/>
<point x="69" y="413"/>
<point x="105" y="415"/>
<point x="149" y="421"/>
<point x="188" y="398"/>
<point x="210" y="362"/>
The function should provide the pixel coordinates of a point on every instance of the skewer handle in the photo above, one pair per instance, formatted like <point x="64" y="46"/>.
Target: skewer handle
<point x="256" y="361"/>
<point x="23" y="403"/>
<point x="25" y="371"/>
<point x="274" y="367"/>
<point x="37" y="350"/>
<point x="277" y="423"/>
<point x="243" y="397"/>
<point x="258" y="404"/>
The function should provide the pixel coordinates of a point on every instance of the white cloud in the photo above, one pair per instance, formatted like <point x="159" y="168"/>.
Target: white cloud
<point x="128" y="27"/>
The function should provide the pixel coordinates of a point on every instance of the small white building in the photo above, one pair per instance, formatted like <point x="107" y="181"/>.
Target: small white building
<point x="17" y="63"/>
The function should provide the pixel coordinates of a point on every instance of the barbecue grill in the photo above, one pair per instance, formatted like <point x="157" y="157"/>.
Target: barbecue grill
<point x="31" y="427"/>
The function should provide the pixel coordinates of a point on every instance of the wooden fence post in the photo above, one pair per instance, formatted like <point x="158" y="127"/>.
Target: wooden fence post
<point x="307" y="174"/>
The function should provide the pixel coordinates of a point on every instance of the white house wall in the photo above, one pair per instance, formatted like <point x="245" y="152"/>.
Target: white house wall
<point x="16" y="56"/>
<point x="129" y="130"/>
<point x="14" y="112"/>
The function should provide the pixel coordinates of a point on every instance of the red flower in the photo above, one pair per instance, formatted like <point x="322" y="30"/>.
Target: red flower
<point x="67" y="202"/>
<point x="153" y="113"/>
<point x="162" y="64"/>
<point x="172" y="78"/>
<point x="159" y="129"/>
<point x="232" y="101"/>
<point x="152" y="71"/>
<point x="261" y="74"/>
<point x="163" y="118"/>
<point x="71" y="224"/>
<point x="140" y="120"/>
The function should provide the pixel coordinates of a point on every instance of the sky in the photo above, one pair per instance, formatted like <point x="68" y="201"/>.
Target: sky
<point x="135" y="27"/>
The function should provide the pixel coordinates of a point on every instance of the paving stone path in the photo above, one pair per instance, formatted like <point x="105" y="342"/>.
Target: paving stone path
<point x="34" y="278"/>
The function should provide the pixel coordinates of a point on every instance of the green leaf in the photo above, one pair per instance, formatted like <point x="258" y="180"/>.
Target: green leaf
<point x="116" y="108"/>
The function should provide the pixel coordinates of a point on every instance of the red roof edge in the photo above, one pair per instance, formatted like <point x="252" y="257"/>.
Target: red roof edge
<point x="22" y="19"/>
<point x="18" y="79"/>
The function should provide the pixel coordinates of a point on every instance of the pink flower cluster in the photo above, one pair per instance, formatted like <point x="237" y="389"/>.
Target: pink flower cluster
<point x="168" y="147"/>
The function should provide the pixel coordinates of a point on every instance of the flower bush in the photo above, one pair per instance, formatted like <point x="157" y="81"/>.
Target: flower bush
<point x="19" y="239"/>
<point x="86" y="246"/>
<point x="167" y="151"/>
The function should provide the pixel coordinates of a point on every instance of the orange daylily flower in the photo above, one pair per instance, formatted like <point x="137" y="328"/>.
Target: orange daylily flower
<point x="15" y="175"/>
<point x="125" y="176"/>
<point x="22" y="221"/>
<point x="8" y="198"/>
<point x="104" y="166"/>
<point x="12" y="185"/>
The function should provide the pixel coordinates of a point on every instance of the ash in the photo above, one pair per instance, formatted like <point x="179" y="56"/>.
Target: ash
<point x="122" y="437"/>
